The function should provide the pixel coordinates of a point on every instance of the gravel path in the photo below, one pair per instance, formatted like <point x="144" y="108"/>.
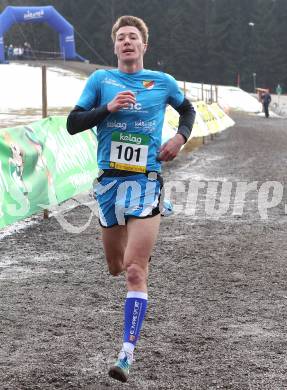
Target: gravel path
<point x="217" y="313"/>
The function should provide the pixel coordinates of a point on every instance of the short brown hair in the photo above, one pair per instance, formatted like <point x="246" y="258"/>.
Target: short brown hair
<point x="128" y="20"/>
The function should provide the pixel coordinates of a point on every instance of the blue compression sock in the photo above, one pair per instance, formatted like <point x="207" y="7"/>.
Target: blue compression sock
<point x="135" y="309"/>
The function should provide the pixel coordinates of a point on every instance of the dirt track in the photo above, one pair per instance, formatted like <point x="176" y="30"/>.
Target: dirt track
<point x="217" y="313"/>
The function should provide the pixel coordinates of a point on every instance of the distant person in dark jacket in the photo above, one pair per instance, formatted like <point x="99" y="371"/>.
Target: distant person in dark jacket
<point x="27" y="50"/>
<point x="10" y="52"/>
<point x="266" y="99"/>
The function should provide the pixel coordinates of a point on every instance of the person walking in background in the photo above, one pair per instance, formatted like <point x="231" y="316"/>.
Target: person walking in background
<point x="266" y="99"/>
<point x="127" y="105"/>
<point x="27" y="50"/>
<point x="10" y="52"/>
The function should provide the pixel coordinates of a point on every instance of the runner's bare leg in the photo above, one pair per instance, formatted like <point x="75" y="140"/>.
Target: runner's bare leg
<point x="115" y="242"/>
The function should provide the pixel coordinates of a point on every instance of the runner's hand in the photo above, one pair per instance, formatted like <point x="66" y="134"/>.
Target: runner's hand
<point x="121" y="100"/>
<point x="170" y="149"/>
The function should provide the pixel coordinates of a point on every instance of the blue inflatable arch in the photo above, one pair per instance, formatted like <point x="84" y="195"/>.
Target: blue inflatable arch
<point x="47" y="14"/>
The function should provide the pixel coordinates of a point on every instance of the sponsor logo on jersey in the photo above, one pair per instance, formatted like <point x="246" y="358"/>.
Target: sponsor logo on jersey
<point x="117" y="125"/>
<point x="137" y="107"/>
<point x="109" y="81"/>
<point x="148" y="84"/>
<point x="133" y="107"/>
<point x="148" y="125"/>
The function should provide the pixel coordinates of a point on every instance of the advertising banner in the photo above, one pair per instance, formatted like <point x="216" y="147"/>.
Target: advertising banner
<point x="42" y="165"/>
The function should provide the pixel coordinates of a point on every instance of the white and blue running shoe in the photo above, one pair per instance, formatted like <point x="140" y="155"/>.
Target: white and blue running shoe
<point x="167" y="208"/>
<point x="120" y="371"/>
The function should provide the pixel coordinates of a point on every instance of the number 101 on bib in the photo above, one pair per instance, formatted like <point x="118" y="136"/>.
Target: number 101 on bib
<point x="129" y="151"/>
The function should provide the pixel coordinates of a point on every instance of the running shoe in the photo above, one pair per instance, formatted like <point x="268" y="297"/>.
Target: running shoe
<point x="167" y="208"/>
<point x="120" y="371"/>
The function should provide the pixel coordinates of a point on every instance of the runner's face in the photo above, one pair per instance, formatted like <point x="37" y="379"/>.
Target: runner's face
<point x="129" y="46"/>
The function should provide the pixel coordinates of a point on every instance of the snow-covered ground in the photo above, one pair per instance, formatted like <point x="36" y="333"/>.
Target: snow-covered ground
<point x="20" y="87"/>
<point x="21" y="92"/>
<point x="233" y="98"/>
<point x="228" y="97"/>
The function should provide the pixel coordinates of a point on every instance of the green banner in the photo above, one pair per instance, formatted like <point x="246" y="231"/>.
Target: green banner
<point x="42" y="165"/>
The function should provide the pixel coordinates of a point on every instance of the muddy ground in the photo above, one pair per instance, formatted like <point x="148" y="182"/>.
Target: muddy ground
<point x="217" y="289"/>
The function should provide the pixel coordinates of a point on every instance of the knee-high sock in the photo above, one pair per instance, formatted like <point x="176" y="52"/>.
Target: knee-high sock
<point x="135" y="309"/>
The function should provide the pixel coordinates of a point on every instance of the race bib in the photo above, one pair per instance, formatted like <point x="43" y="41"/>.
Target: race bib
<point x="129" y="151"/>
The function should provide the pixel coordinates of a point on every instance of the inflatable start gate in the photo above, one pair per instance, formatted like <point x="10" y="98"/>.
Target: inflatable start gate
<point x="47" y="14"/>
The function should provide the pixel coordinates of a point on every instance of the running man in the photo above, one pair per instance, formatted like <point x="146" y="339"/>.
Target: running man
<point x="128" y="105"/>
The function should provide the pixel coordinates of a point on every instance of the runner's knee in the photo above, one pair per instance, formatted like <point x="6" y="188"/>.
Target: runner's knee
<point x="135" y="274"/>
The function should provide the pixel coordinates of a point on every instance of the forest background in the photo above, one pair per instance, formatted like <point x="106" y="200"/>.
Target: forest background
<point x="212" y="41"/>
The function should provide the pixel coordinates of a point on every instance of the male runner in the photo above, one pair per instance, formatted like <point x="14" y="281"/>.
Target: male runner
<point x="127" y="105"/>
